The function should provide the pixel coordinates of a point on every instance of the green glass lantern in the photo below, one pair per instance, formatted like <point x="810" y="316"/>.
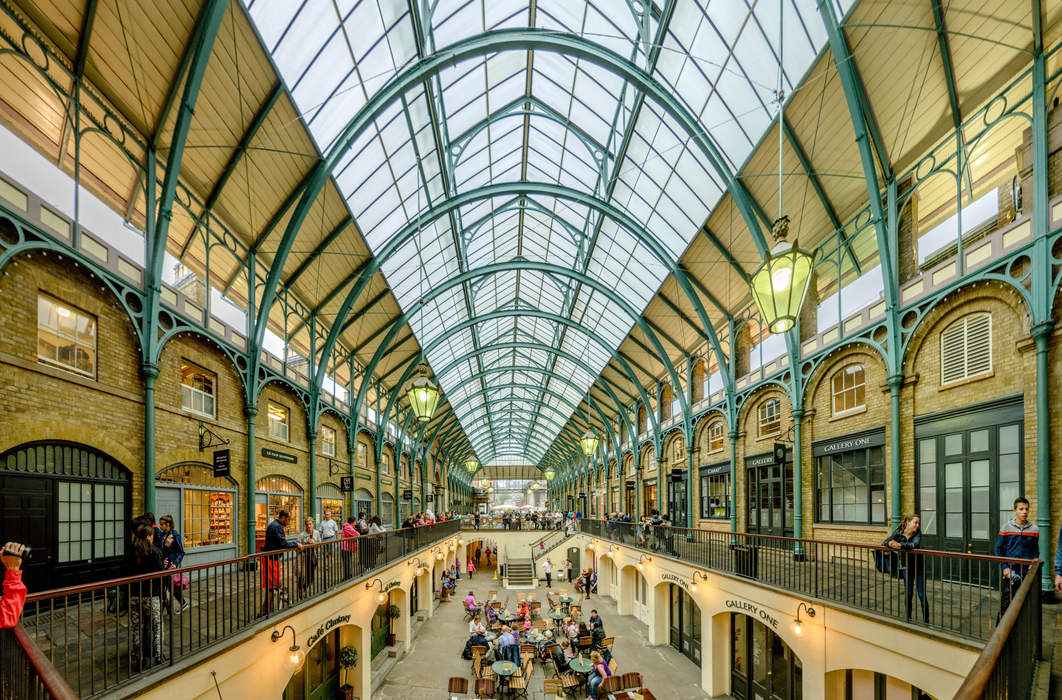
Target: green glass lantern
<point x="471" y="465"/>
<point x="550" y="474"/>
<point x="781" y="282"/>
<point x="589" y="443"/>
<point x="423" y="397"/>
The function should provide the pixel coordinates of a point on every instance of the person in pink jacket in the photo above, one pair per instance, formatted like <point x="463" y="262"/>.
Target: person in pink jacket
<point x="471" y="568"/>
<point x="14" y="590"/>
<point x="348" y="546"/>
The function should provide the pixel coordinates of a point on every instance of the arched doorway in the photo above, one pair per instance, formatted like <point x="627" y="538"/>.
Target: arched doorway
<point x="319" y="676"/>
<point x="684" y="623"/>
<point x="363" y="503"/>
<point x="761" y="664"/>
<point x="272" y="495"/>
<point x="70" y="503"/>
<point x="330" y="499"/>
<point x="204" y="509"/>
<point x="387" y="511"/>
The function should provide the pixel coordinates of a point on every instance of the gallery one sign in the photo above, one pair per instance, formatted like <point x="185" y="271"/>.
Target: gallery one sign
<point x="753" y="611"/>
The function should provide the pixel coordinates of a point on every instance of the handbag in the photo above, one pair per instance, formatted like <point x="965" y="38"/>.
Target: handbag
<point x="887" y="562"/>
<point x="181" y="581"/>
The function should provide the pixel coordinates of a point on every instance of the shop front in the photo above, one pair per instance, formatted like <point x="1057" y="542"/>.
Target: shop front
<point x="272" y="495"/>
<point x="769" y="487"/>
<point x="649" y="494"/>
<point x="628" y="498"/>
<point x="715" y="491"/>
<point x="204" y="509"/>
<point x="318" y="677"/>
<point x="762" y="665"/>
<point x="676" y="498"/>
<point x="850" y="479"/>
<point x="329" y="500"/>
<point x="684" y="624"/>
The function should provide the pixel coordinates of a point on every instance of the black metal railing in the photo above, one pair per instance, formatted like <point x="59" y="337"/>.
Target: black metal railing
<point x="549" y="541"/>
<point x="1005" y="667"/>
<point x="956" y="593"/>
<point x="104" y="634"/>
<point x="26" y="673"/>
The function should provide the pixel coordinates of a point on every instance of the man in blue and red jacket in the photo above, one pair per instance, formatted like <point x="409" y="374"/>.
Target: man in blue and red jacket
<point x="1018" y="539"/>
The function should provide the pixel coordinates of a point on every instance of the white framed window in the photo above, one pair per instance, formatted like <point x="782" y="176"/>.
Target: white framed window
<point x="362" y="454"/>
<point x="198" y="389"/>
<point x="849" y="389"/>
<point x="966" y="348"/>
<point x="91" y="519"/>
<point x="385" y="465"/>
<point x="770" y="417"/>
<point x="328" y="441"/>
<point x="66" y="337"/>
<point x="278" y="421"/>
<point x="679" y="452"/>
<point x="715" y="436"/>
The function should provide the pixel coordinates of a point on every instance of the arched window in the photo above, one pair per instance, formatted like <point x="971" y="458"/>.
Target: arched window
<point x="363" y="503"/>
<point x="272" y="495"/>
<point x="643" y="424"/>
<point x="966" y="348"/>
<point x="715" y="436"/>
<point x="849" y="389"/>
<point x="698" y="380"/>
<point x="666" y="397"/>
<point x="678" y="453"/>
<point x="203" y="507"/>
<point x="329" y="500"/>
<point x="770" y="417"/>
<point x="387" y="514"/>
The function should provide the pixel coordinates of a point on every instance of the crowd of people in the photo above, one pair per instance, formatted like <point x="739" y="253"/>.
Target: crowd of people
<point x="520" y="520"/>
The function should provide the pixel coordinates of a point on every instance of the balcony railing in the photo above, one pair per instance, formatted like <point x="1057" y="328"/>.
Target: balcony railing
<point x="103" y="635"/>
<point x="962" y="592"/>
<point x="1005" y="667"/>
<point x="27" y="674"/>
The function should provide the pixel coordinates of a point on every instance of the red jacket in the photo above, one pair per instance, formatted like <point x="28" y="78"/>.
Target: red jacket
<point x="349" y="531"/>
<point x="13" y="599"/>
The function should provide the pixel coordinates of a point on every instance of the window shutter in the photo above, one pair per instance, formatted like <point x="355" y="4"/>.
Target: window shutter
<point x="966" y="348"/>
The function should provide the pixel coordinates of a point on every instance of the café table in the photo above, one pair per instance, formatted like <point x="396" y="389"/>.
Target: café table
<point x="503" y="669"/>
<point x="506" y="616"/>
<point x="581" y="666"/>
<point x="490" y="636"/>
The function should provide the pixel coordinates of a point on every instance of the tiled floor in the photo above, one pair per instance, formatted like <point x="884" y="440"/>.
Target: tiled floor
<point x="436" y="654"/>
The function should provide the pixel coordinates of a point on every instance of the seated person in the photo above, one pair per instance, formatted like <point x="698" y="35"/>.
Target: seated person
<point x="598" y="673"/>
<point x="571" y="630"/>
<point x="594" y="617"/>
<point x="568" y="649"/>
<point x="470" y="602"/>
<point x="598" y="634"/>
<point x="492" y="614"/>
<point x="559" y="657"/>
<point x="579" y="584"/>
<point x="476" y="640"/>
<point x="476" y="626"/>
<point x="524" y="611"/>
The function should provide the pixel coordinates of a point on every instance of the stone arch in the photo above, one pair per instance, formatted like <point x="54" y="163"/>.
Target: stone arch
<point x="606" y="572"/>
<point x="169" y="339"/>
<point x="349" y="635"/>
<point x="749" y="414"/>
<point x="674" y="453"/>
<point x="629" y="576"/>
<point x="851" y="353"/>
<point x="703" y="428"/>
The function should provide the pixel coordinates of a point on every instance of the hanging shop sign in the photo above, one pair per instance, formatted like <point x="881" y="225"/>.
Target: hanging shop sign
<point x="407" y="495"/>
<point x="334" y="622"/>
<point x="282" y="456"/>
<point x="754" y="611"/>
<point x="430" y="498"/>
<point x="346" y="484"/>
<point x="847" y="443"/>
<point x="678" y="474"/>
<point x="779" y="453"/>
<point x="766" y="459"/>
<point x="221" y="463"/>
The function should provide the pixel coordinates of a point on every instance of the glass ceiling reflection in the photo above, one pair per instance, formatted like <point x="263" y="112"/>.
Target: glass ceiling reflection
<point x="540" y="117"/>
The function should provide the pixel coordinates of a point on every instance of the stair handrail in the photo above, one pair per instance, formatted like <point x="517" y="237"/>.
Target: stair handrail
<point x="540" y="542"/>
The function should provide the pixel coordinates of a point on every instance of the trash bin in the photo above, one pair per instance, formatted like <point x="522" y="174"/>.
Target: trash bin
<point x="746" y="560"/>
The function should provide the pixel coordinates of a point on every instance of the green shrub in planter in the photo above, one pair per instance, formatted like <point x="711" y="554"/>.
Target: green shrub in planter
<point x="348" y="659"/>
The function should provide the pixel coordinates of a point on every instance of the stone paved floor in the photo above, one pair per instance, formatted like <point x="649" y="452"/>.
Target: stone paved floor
<point x="435" y="654"/>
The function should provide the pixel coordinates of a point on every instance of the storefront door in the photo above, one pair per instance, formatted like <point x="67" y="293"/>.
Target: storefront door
<point x="677" y="502"/>
<point x="685" y="624"/>
<point x="969" y="473"/>
<point x="318" y="678"/>
<point x="770" y="495"/>
<point x="628" y="500"/>
<point x="762" y="665"/>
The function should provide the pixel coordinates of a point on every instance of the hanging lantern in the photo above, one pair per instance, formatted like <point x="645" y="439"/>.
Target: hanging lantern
<point x="589" y="443"/>
<point x="781" y="282"/>
<point x="423" y="397"/>
<point x="550" y="474"/>
<point x="471" y="465"/>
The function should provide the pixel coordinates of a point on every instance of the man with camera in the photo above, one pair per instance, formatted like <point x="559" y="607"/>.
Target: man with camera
<point x="1018" y="539"/>
<point x="14" y="590"/>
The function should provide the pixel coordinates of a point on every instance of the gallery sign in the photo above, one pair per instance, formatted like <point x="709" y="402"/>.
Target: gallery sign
<point x="334" y="622"/>
<point x="847" y="443"/>
<point x="753" y="611"/>
<point x="675" y="578"/>
<point x="221" y="462"/>
<point x="282" y="456"/>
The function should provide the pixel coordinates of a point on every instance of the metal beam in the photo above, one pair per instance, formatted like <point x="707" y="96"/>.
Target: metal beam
<point x="953" y="93"/>
<point x="685" y="319"/>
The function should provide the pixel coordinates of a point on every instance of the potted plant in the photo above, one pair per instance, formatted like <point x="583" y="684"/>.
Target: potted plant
<point x="393" y="613"/>
<point x="348" y="659"/>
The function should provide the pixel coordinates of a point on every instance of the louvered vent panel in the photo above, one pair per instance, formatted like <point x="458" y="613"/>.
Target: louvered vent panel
<point x="966" y="348"/>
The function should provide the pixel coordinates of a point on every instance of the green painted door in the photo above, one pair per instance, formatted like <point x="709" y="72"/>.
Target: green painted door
<point x="318" y="678"/>
<point x="379" y="630"/>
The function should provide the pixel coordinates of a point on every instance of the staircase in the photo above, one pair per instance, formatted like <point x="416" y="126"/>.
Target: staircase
<point x="520" y="573"/>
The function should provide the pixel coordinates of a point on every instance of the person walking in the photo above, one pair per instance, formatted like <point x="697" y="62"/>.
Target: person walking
<point x="14" y="596"/>
<point x="471" y="568"/>
<point x="908" y="537"/>
<point x="1058" y="563"/>
<point x="329" y="533"/>
<point x="173" y="552"/>
<point x="479" y="553"/>
<point x="1018" y="539"/>
<point x="568" y="569"/>
<point x="487" y="552"/>
<point x="376" y="544"/>
<point x="588" y="575"/>
<point x="145" y="602"/>
<point x="275" y="541"/>
<point x="548" y="569"/>
<point x="308" y="557"/>
<point x="348" y="546"/>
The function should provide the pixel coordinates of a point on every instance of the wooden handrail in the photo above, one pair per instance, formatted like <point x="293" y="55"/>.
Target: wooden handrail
<point x="50" y="677"/>
<point x="858" y="545"/>
<point x="977" y="679"/>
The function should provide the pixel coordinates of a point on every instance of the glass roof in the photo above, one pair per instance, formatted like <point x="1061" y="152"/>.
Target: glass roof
<point x="543" y="120"/>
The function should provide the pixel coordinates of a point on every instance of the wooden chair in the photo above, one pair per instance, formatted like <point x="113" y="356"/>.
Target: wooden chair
<point x="551" y="688"/>
<point x="540" y="625"/>
<point x="576" y="611"/>
<point x="612" y="665"/>
<point x="521" y="596"/>
<point x="536" y="609"/>
<point x="631" y="679"/>
<point x="610" y="685"/>
<point x="569" y="681"/>
<point x="607" y="642"/>
<point x="491" y="595"/>
<point x="584" y="644"/>
<point x="457" y="685"/>
<point x="486" y="687"/>
<point x="518" y="682"/>
<point x="478" y="652"/>
<point x="527" y="651"/>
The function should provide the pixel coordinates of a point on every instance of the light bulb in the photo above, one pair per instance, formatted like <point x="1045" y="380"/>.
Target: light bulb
<point x="693" y="588"/>
<point x="422" y="394"/>
<point x="781" y="278"/>
<point x="797" y="627"/>
<point x="381" y="597"/>
<point x="639" y="566"/>
<point x="294" y="657"/>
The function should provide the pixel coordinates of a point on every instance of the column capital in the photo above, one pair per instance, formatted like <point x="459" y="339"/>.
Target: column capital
<point x="895" y="381"/>
<point x="149" y="370"/>
<point x="1042" y="330"/>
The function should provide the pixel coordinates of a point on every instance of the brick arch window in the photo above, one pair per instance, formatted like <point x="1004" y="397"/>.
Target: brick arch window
<point x="770" y="417"/>
<point x="848" y="389"/>
<point x="715" y="436"/>
<point x="966" y="348"/>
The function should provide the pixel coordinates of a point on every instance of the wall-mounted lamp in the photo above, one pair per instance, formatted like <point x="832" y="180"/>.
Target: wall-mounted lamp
<point x="438" y="553"/>
<point x="644" y="557"/>
<point x="420" y="565"/>
<point x="697" y="576"/>
<point x="294" y="654"/>
<point x="797" y="626"/>
<point x="383" y="596"/>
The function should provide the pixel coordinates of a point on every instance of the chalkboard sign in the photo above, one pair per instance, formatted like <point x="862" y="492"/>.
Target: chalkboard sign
<point x="221" y="462"/>
<point x="346" y="484"/>
<point x="407" y="495"/>
<point x="430" y="498"/>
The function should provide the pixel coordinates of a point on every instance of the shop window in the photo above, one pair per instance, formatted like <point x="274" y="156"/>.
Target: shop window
<point x="362" y="455"/>
<point x="715" y="496"/>
<point x="850" y="486"/>
<point x="385" y="465"/>
<point x="207" y="505"/>
<point x="66" y="337"/>
<point x="91" y="521"/>
<point x="363" y="503"/>
<point x="966" y="348"/>
<point x="197" y="390"/>
<point x="770" y="417"/>
<point x="849" y="389"/>
<point x="328" y="441"/>
<point x="715" y="436"/>
<point x="274" y="494"/>
<point x="278" y="422"/>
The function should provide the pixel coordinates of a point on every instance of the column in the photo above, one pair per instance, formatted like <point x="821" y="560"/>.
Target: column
<point x="252" y="415"/>
<point x="151" y="373"/>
